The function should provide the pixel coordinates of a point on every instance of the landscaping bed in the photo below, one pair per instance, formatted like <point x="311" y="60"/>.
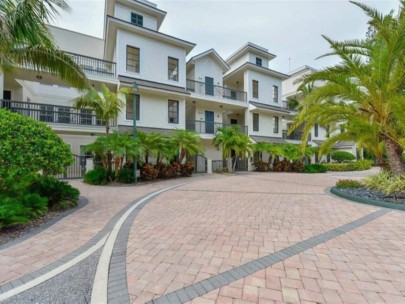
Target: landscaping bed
<point x="374" y="195"/>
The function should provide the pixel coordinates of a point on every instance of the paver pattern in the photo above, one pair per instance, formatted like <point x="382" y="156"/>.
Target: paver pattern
<point x="202" y="229"/>
<point x="198" y="230"/>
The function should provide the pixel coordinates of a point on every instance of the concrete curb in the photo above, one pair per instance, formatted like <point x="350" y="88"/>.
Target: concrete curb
<point x="367" y="201"/>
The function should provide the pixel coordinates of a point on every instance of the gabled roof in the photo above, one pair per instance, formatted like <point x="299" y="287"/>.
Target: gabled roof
<point x="259" y="69"/>
<point x="251" y="47"/>
<point x="304" y="68"/>
<point x="214" y="54"/>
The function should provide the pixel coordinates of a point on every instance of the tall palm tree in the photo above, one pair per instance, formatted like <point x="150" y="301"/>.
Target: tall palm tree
<point x="106" y="105"/>
<point x="231" y="139"/>
<point x="25" y="40"/>
<point x="188" y="143"/>
<point x="367" y="87"/>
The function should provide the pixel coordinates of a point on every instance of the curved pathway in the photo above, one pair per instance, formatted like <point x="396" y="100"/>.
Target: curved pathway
<point x="251" y="238"/>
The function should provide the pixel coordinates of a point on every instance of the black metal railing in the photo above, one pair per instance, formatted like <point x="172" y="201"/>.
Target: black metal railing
<point x="203" y="88"/>
<point x="76" y="170"/>
<point x="210" y="127"/>
<point x="91" y="65"/>
<point x="294" y="135"/>
<point x="58" y="114"/>
<point x="219" y="166"/>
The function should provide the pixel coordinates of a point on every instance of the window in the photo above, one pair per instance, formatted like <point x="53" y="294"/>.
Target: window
<point x="7" y="95"/>
<point x="129" y="107"/>
<point x="173" y="111"/>
<point x="258" y="61"/>
<point x="86" y="116"/>
<point x="275" y="127"/>
<point x="63" y="115"/>
<point x="233" y="95"/>
<point x="255" y="85"/>
<point x="46" y="113"/>
<point x="132" y="59"/>
<point x="275" y="93"/>
<point x="173" y="69"/>
<point x="255" y="122"/>
<point x="136" y="19"/>
<point x="316" y="130"/>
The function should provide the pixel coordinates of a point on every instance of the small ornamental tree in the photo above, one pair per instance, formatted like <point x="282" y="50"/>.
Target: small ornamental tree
<point x="27" y="147"/>
<point x="341" y="156"/>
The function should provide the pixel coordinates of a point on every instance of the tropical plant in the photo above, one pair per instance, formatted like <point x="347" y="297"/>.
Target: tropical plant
<point x="96" y="176"/>
<point x="231" y="139"/>
<point x="348" y="183"/>
<point x="188" y="143"/>
<point x="366" y="88"/>
<point x="28" y="146"/>
<point x="25" y="40"/>
<point x="157" y="145"/>
<point x="315" y="168"/>
<point x="106" y="104"/>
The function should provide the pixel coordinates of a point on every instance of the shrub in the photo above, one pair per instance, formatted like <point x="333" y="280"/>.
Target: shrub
<point x="12" y="214"/>
<point x="28" y="146"/>
<point x="396" y="186"/>
<point x="149" y="172"/>
<point x="187" y="169"/>
<point x="96" y="176"/>
<point x="348" y="183"/>
<point x="378" y="181"/>
<point x="262" y="166"/>
<point x="175" y="168"/>
<point x="126" y="176"/>
<point x="20" y="209"/>
<point x="60" y="194"/>
<point x="359" y="165"/>
<point x="315" y="168"/>
<point x="341" y="156"/>
<point x="298" y="167"/>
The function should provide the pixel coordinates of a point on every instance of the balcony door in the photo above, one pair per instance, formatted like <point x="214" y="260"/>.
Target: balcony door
<point x="209" y="122"/>
<point x="209" y="86"/>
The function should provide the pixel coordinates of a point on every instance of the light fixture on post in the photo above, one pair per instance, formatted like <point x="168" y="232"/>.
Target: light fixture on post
<point x="135" y="87"/>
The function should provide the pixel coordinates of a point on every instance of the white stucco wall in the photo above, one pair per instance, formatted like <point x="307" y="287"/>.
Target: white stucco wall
<point x="207" y="66"/>
<point x="78" y="43"/>
<point x="154" y="112"/>
<point x="252" y="59"/>
<point x="124" y="13"/>
<point x="266" y="125"/>
<point x="75" y="141"/>
<point x="238" y="62"/>
<point x="266" y="84"/>
<point x="153" y="58"/>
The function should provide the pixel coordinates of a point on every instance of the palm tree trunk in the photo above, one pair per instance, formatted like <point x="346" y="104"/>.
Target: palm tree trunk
<point x="229" y="164"/>
<point x="394" y="153"/>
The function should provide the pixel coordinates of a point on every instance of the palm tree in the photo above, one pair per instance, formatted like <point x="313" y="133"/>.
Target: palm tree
<point x="366" y="88"/>
<point x="188" y="143"/>
<point x="106" y="105"/>
<point x="231" y="139"/>
<point x="261" y="147"/>
<point x="25" y="40"/>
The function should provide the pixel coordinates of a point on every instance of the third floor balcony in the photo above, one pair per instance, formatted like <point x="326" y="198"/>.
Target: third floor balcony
<point x="202" y="88"/>
<point x="94" y="66"/>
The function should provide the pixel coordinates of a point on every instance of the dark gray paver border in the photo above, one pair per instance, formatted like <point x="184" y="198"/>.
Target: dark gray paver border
<point x="367" y="201"/>
<point x="82" y="203"/>
<point x="117" y="292"/>
<point x="198" y="289"/>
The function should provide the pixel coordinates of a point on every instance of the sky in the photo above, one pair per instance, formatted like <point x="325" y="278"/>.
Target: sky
<point x="292" y="30"/>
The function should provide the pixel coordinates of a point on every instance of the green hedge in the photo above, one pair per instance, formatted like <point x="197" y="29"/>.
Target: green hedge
<point x="359" y="165"/>
<point x="315" y="168"/>
<point x="348" y="183"/>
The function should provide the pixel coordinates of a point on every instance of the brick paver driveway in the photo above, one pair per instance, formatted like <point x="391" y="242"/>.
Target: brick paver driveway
<point x="249" y="238"/>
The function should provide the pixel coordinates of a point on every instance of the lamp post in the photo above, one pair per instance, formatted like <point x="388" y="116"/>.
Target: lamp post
<point x="135" y="87"/>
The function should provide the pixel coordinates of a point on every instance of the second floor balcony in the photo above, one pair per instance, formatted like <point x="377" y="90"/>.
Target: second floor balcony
<point x="206" y="89"/>
<point x="210" y="127"/>
<point x="94" y="66"/>
<point x="294" y="135"/>
<point x="54" y="114"/>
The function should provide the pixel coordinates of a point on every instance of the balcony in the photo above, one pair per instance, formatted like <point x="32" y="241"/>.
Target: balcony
<point x="290" y="105"/>
<point x="208" y="127"/>
<point x="203" y="88"/>
<point x="94" y="66"/>
<point x="295" y="135"/>
<point x="54" y="114"/>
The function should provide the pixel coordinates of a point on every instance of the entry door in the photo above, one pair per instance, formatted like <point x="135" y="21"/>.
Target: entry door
<point x="234" y="121"/>
<point x="209" y="122"/>
<point x="209" y="86"/>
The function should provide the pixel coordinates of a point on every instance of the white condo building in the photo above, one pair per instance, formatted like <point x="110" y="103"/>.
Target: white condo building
<point x="201" y="94"/>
